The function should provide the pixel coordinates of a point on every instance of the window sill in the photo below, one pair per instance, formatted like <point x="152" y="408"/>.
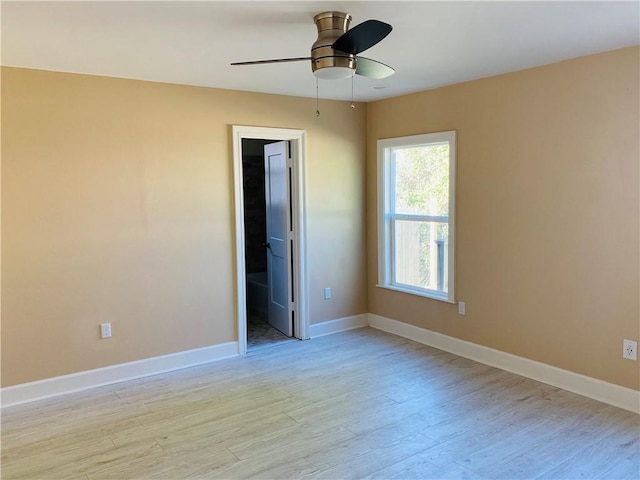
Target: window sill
<point x="433" y="296"/>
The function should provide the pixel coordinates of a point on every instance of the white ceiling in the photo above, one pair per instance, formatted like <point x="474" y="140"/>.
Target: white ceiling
<point x="432" y="43"/>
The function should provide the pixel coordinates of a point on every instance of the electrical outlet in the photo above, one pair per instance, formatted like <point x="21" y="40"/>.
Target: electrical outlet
<point x="629" y="349"/>
<point x="462" y="308"/>
<point x="327" y="293"/>
<point x="105" y="330"/>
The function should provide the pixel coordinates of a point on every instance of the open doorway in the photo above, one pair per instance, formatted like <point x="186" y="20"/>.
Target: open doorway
<point x="266" y="193"/>
<point x="270" y="240"/>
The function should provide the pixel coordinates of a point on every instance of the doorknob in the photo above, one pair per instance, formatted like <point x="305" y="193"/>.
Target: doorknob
<point x="267" y="245"/>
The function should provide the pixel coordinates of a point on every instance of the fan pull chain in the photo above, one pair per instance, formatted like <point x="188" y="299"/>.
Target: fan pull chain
<point x="317" y="96"/>
<point x="352" y="104"/>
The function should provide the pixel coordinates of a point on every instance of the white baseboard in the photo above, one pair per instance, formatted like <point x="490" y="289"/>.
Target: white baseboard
<point x="338" y="325"/>
<point x="574" y="382"/>
<point x="589" y="387"/>
<point x="51" y="387"/>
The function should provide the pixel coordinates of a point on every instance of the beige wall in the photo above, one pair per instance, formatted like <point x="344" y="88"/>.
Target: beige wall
<point x="547" y="212"/>
<point x="118" y="207"/>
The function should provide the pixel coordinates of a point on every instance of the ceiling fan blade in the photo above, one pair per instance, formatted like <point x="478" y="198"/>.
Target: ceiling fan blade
<point x="372" y="68"/>
<point x="362" y="36"/>
<point x="277" y="60"/>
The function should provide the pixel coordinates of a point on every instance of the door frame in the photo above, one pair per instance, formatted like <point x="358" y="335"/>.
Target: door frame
<point x="297" y="198"/>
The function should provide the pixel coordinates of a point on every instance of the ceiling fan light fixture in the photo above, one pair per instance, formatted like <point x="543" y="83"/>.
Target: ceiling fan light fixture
<point x="334" y="67"/>
<point x="334" y="73"/>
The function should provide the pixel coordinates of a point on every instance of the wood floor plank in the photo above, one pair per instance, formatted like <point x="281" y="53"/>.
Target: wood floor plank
<point x="597" y="459"/>
<point x="70" y="437"/>
<point x="501" y="441"/>
<point x="376" y="457"/>
<point x="418" y="467"/>
<point x="537" y="458"/>
<point x="358" y="404"/>
<point x="478" y="444"/>
<point x="272" y="451"/>
<point x="163" y="464"/>
<point x="299" y="438"/>
<point x="227" y="432"/>
<point x="271" y="468"/>
<point x="48" y="464"/>
<point x="367" y="453"/>
<point x="627" y="469"/>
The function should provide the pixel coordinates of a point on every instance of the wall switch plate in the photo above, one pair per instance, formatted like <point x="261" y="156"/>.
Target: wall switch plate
<point x="105" y="330"/>
<point x="327" y="293"/>
<point x="462" y="308"/>
<point x="629" y="349"/>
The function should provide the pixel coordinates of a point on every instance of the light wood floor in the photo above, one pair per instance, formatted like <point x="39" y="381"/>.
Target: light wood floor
<point x="359" y="404"/>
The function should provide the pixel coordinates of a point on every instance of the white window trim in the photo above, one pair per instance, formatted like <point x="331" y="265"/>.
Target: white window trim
<point x="384" y="204"/>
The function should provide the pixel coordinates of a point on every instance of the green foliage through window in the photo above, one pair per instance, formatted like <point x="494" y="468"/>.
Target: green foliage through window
<point x="422" y="180"/>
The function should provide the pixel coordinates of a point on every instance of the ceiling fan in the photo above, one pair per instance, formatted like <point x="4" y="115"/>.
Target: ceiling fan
<point x="334" y="55"/>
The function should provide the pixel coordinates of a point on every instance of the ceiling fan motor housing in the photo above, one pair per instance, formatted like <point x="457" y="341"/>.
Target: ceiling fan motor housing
<point x="326" y="62"/>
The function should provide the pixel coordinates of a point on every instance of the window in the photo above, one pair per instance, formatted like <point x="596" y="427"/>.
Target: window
<point x="416" y="180"/>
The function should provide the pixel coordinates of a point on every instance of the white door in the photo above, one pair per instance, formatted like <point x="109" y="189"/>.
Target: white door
<point x="276" y="193"/>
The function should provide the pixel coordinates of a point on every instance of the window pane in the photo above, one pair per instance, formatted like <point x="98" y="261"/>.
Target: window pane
<point x="421" y="251"/>
<point x="422" y="179"/>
